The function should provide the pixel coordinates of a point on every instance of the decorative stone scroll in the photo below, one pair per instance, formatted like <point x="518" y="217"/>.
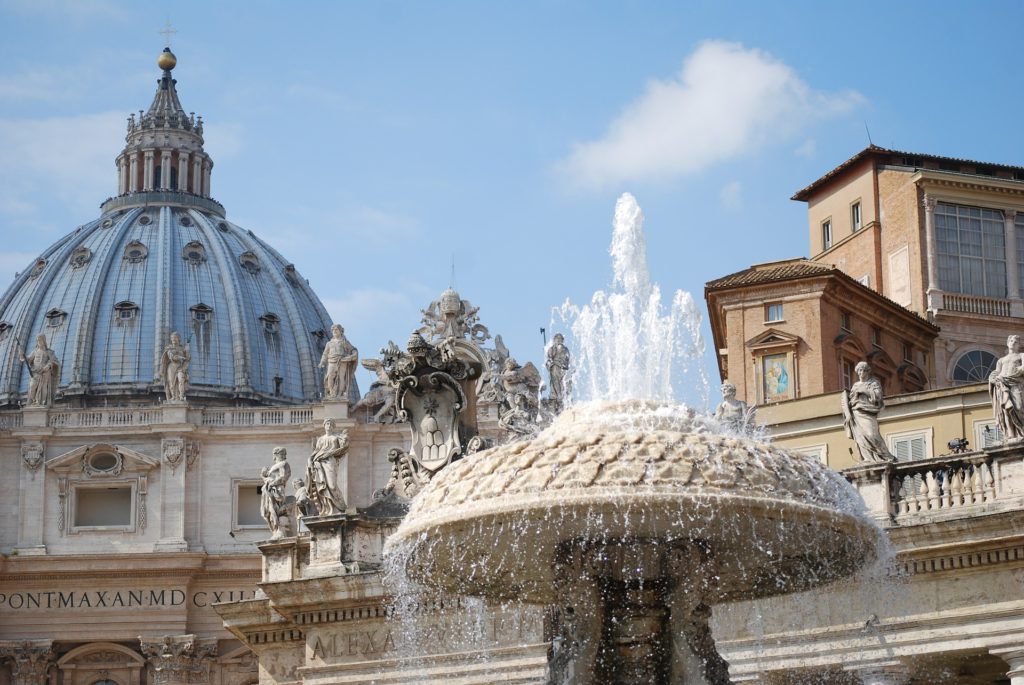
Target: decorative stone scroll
<point x="177" y="659"/>
<point x="30" y="660"/>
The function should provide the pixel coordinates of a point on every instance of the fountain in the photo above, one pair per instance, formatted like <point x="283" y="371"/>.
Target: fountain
<point x="631" y="516"/>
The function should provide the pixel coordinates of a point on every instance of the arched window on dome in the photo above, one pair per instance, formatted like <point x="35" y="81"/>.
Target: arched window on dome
<point x="973" y="367"/>
<point x="271" y="322"/>
<point x="80" y="257"/>
<point x="250" y="262"/>
<point x="5" y="330"/>
<point x="201" y="313"/>
<point x="194" y="253"/>
<point x="125" y="310"/>
<point x="135" y="252"/>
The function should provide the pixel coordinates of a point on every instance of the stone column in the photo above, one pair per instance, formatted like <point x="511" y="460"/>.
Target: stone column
<point x="165" y="169"/>
<point x="892" y="673"/>
<point x="30" y="660"/>
<point x="933" y="293"/>
<point x="182" y="170"/>
<point x="207" y="168"/>
<point x="147" y="180"/>
<point x="179" y="659"/>
<point x="176" y="453"/>
<point x="197" y="174"/>
<point x="1014" y="657"/>
<point x="1012" y="267"/>
<point x="133" y="173"/>
<point x="122" y="176"/>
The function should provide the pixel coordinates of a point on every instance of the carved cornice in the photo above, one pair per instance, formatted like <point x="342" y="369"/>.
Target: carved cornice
<point x="957" y="561"/>
<point x="341" y="615"/>
<point x="30" y="660"/>
<point x="263" y="637"/>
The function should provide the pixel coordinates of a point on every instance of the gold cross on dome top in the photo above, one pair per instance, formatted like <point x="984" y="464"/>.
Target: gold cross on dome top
<point x="167" y="32"/>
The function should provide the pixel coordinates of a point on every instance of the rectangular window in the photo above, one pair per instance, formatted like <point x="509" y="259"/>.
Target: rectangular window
<point x="247" y="505"/>
<point x="908" y="353"/>
<point x="987" y="434"/>
<point x="846" y="372"/>
<point x="826" y="234"/>
<point x="773" y="312"/>
<point x="909" y="447"/>
<point x="1019" y="224"/>
<point x="855" y="216"/>
<point x="845" y="322"/>
<point x="103" y="507"/>
<point x="876" y="336"/>
<point x="971" y="249"/>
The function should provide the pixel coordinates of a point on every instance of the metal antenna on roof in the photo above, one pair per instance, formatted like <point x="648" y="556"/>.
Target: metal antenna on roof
<point x="868" y="131"/>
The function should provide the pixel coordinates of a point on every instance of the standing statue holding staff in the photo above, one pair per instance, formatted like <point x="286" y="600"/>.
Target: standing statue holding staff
<point x="273" y="506"/>
<point x="44" y="373"/>
<point x="322" y="470"/>
<point x="861" y="405"/>
<point x="1006" y="387"/>
<point x="174" y="369"/>
<point x="340" y="359"/>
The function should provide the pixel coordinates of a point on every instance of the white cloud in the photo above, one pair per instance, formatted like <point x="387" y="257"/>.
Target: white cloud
<point x="69" y="160"/>
<point x="726" y="101"/>
<point x="75" y="10"/>
<point x="731" y="195"/>
<point x="807" y="149"/>
<point x="223" y="140"/>
<point x="362" y="309"/>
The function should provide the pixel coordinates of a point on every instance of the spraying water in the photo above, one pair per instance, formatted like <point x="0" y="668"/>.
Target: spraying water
<point x="625" y="347"/>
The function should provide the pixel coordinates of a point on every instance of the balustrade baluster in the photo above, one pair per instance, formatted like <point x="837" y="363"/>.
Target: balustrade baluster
<point x="988" y="482"/>
<point x="957" y="487"/>
<point x="931" y="486"/>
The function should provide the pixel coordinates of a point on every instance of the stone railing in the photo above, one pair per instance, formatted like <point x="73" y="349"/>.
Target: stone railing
<point x="113" y="417"/>
<point x="258" y="417"/>
<point x="10" y="419"/>
<point x="945" y="486"/>
<point x="159" y="197"/>
<point x="972" y="304"/>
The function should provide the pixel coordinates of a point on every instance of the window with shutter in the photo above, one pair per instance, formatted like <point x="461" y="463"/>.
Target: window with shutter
<point x="910" y="447"/>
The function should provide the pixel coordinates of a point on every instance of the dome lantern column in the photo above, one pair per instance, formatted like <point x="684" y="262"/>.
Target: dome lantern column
<point x="147" y="181"/>
<point x="182" y="171"/>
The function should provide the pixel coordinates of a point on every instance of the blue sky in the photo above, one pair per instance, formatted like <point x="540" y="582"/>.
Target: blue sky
<point x="372" y="142"/>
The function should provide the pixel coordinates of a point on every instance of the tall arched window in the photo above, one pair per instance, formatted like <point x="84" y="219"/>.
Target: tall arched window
<point x="973" y="367"/>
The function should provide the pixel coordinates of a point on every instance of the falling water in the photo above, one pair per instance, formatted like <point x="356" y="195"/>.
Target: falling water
<point x="624" y="345"/>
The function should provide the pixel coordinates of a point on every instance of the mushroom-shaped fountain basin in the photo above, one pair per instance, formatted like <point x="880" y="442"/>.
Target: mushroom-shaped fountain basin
<point x="768" y="521"/>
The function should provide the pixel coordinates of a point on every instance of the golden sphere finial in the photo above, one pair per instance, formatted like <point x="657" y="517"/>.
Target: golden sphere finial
<point x="166" y="60"/>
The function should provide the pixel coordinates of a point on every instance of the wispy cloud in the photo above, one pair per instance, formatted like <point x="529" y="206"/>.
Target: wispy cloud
<point x="727" y="101"/>
<point x="374" y="309"/>
<point x="731" y="195"/>
<point x="73" y="10"/>
<point x="807" y="149"/>
<point x="65" y="159"/>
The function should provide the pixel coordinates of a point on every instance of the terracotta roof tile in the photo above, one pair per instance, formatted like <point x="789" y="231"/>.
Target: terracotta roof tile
<point x="771" y="272"/>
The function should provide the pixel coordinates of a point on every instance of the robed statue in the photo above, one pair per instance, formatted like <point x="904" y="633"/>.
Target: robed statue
<point x="322" y="470"/>
<point x="339" y="359"/>
<point x="44" y="373"/>
<point x="174" y="365"/>
<point x="1006" y="387"/>
<point x="861" y="405"/>
<point x="273" y="502"/>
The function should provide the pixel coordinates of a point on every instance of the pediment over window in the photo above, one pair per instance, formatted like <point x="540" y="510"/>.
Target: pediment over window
<point x="100" y="460"/>
<point x="772" y="338"/>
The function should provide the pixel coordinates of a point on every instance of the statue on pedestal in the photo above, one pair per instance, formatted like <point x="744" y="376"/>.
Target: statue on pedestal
<point x="273" y="504"/>
<point x="174" y="365"/>
<point x="1006" y="387"/>
<point x="340" y="359"/>
<point x="322" y="470"/>
<point x="44" y="373"/>
<point x="303" y="502"/>
<point x="520" y="384"/>
<point x="557" y="363"/>
<point x="734" y="413"/>
<point x="861" y="405"/>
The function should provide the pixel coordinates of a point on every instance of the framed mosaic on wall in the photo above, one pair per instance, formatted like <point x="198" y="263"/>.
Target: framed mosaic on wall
<point x="776" y="377"/>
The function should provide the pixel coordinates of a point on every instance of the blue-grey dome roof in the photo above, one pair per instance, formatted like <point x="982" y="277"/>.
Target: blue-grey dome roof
<point x="108" y="296"/>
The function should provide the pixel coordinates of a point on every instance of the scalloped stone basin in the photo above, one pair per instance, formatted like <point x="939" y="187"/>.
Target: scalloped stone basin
<point x="643" y="504"/>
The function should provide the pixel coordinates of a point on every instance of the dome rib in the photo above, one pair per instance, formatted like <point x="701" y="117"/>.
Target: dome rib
<point x="221" y="253"/>
<point x="98" y="271"/>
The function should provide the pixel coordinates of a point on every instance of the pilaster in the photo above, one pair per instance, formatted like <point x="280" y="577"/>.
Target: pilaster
<point x="147" y="181"/>
<point x="933" y="293"/>
<point x="175" y="453"/>
<point x="182" y="170"/>
<point x="31" y="498"/>
<point x="197" y="167"/>
<point x="30" y="660"/>
<point x="165" y="169"/>
<point x="133" y="173"/>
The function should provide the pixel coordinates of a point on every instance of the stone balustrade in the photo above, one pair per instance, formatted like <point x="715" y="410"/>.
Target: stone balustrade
<point x="946" y="486"/>
<point x="972" y="304"/>
<point x="95" y="418"/>
<point x="10" y="419"/>
<point x="258" y="417"/>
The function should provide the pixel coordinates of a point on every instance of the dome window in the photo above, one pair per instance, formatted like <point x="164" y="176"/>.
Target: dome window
<point x="55" y="317"/>
<point x="292" y="276"/>
<point x="194" y="252"/>
<point x="144" y="220"/>
<point x="135" y="252"/>
<point x="250" y="262"/>
<point x="185" y="221"/>
<point x="5" y="330"/>
<point x="37" y="268"/>
<point x="126" y="310"/>
<point x="80" y="257"/>
<point x="271" y="322"/>
<point x="107" y="223"/>
<point x="223" y="226"/>
<point x="201" y="313"/>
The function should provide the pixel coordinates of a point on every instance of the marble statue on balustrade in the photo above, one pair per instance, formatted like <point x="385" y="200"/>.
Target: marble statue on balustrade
<point x="303" y="502"/>
<point x="557" y="363"/>
<point x="339" y="359"/>
<point x="380" y="398"/>
<point x="733" y="413"/>
<point x="322" y="470"/>
<point x="273" y="501"/>
<point x="174" y="363"/>
<point x="861" y="405"/>
<point x="1006" y="387"/>
<point x="44" y="373"/>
